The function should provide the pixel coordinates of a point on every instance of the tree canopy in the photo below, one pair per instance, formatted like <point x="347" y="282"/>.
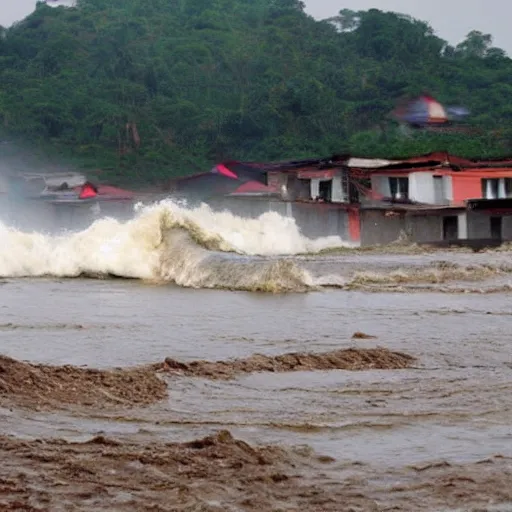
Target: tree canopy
<point x="150" y="89"/>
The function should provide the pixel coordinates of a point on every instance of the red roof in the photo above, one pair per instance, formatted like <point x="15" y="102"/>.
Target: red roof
<point x="118" y="193"/>
<point x="254" y="187"/>
<point x="108" y="191"/>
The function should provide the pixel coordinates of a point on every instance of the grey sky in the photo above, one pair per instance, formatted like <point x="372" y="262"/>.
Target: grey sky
<point x="451" y="19"/>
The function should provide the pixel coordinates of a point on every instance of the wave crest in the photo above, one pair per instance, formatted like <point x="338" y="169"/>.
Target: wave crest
<point x="167" y="242"/>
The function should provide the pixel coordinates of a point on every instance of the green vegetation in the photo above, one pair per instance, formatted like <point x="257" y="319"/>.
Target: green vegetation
<point x="149" y="89"/>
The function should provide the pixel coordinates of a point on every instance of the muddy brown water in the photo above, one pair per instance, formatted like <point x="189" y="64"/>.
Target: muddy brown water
<point x="454" y="404"/>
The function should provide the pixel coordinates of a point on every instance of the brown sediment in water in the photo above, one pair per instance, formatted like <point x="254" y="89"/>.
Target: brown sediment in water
<point x="448" y="290"/>
<point x="38" y="385"/>
<point x="213" y="474"/>
<point x="352" y="359"/>
<point x="220" y="473"/>
<point x="479" y="487"/>
<point x="406" y="247"/>
<point x="438" y="272"/>
<point x="398" y="247"/>
<point x="43" y="385"/>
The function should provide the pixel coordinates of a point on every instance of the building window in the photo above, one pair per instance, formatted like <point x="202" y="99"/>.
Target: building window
<point x="508" y="187"/>
<point x="490" y="188"/>
<point x="439" y="191"/>
<point x="399" y="188"/>
<point x="325" y="190"/>
<point x="321" y="190"/>
<point x="497" y="188"/>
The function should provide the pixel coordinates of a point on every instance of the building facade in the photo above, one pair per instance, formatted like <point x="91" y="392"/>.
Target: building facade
<point x="435" y="196"/>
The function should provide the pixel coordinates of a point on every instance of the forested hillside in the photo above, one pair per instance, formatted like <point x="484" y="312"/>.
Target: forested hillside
<point x="148" y="89"/>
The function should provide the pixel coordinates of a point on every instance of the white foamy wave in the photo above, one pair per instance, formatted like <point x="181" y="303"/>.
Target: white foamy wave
<point x="271" y="234"/>
<point x="106" y="247"/>
<point x="168" y="242"/>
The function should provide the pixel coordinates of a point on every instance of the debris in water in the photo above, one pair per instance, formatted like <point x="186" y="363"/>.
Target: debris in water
<point x="358" y="335"/>
<point x="35" y="385"/>
<point x="347" y="359"/>
<point x="220" y="472"/>
<point x="38" y="385"/>
<point x="213" y="474"/>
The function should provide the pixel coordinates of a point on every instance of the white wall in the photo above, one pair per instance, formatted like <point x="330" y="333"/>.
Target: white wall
<point x="463" y="226"/>
<point x="421" y="187"/>
<point x="337" y="193"/>
<point x="315" y="188"/>
<point x="448" y="188"/>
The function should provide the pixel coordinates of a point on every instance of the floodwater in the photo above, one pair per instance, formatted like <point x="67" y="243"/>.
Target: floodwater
<point x="454" y="403"/>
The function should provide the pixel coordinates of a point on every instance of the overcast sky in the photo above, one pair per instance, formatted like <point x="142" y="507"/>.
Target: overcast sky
<point x="451" y="19"/>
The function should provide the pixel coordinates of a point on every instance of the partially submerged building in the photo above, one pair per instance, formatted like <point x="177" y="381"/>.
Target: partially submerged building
<point x="430" y="198"/>
<point x="434" y="198"/>
<point x="49" y="201"/>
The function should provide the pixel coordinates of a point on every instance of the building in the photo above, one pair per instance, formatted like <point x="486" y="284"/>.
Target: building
<point x="443" y="179"/>
<point x="54" y="201"/>
<point x="430" y="198"/>
<point x="315" y="193"/>
<point x="313" y="181"/>
<point x="436" y="197"/>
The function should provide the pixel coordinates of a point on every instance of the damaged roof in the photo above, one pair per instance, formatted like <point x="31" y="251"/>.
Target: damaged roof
<point x="437" y="159"/>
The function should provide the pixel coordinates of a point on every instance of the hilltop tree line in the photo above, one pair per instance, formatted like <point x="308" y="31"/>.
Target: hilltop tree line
<point x="149" y="89"/>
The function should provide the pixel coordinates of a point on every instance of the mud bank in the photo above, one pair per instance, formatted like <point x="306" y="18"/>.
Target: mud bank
<point x="40" y="385"/>
<point x="220" y="473"/>
<point x="348" y="359"/>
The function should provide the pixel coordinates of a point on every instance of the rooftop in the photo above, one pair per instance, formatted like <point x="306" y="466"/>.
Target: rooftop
<point x="439" y="159"/>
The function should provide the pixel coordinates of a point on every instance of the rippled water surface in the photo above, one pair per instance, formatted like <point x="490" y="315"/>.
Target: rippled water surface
<point x="455" y="403"/>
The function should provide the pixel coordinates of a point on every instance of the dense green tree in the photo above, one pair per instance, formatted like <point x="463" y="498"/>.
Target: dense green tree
<point x="148" y="89"/>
